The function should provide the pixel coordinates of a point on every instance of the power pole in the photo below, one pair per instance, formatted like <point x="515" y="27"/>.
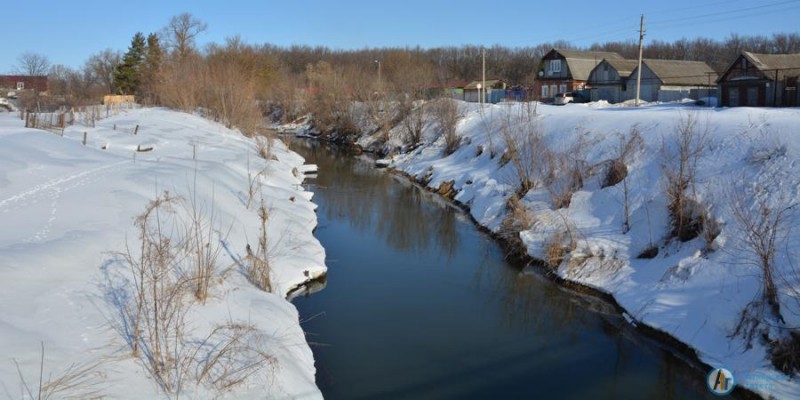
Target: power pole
<point x="483" y="74"/>
<point x="639" y="69"/>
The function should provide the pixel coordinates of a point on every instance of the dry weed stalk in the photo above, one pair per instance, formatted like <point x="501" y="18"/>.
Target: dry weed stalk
<point x="258" y="263"/>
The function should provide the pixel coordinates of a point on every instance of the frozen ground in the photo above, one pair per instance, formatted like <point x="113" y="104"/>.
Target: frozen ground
<point x="67" y="210"/>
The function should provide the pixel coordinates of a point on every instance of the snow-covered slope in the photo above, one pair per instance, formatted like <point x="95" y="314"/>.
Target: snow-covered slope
<point x="68" y="210"/>
<point x="694" y="290"/>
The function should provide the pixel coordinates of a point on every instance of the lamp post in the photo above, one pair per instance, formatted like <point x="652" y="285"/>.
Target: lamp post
<point x="480" y="95"/>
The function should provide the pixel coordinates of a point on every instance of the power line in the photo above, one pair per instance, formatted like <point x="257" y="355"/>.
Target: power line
<point x="720" y="13"/>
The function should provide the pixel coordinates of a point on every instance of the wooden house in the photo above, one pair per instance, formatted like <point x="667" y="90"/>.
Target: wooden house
<point x="563" y="71"/>
<point x="672" y="80"/>
<point x="609" y="80"/>
<point x="758" y="80"/>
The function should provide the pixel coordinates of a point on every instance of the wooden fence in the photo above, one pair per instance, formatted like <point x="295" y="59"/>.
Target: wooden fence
<point x="87" y="116"/>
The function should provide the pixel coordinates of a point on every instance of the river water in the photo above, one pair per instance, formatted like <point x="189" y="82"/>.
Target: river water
<point x="420" y="304"/>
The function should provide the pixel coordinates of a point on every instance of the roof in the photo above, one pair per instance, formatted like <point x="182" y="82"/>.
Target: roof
<point x="682" y="73"/>
<point x="786" y="64"/>
<point x="581" y="63"/>
<point x="588" y="55"/>
<point x="624" y="67"/>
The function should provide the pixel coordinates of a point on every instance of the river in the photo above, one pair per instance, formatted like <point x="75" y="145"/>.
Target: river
<point x="419" y="303"/>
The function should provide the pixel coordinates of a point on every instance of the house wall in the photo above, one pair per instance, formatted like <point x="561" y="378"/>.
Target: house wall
<point x="607" y="84"/>
<point x="650" y="86"/>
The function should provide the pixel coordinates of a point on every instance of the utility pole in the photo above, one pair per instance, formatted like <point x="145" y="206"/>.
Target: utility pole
<point x="639" y="69"/>
<point x="775" y="90"/>
<point x="483" y="74"/>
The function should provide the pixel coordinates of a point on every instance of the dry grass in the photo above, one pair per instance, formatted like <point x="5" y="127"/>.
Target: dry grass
<point x="258" y="263"/>
<point x="557" y="248"/>
<point x="78" y="381"/>
<point x="785" y="354"/>
<point x="172" y="266"/>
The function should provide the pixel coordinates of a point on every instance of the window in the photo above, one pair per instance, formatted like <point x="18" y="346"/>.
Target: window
<point x="562" y="88"/>
<point x="20" y="85"/>
<point x="555" y="66"/>
<point x="553" y="90"/>
<point x="544" y="91"/>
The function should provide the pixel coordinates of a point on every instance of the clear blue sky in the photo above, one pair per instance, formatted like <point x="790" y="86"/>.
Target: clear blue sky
<point x="69" y="31"/>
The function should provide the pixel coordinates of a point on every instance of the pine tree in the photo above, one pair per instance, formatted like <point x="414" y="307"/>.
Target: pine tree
<point x="151" y="70"/>
<point x="127" y="77"/>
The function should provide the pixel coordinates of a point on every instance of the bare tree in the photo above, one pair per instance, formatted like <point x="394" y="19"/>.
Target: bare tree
<point x="102" y="66"/>
<point x="33" y="64"/>
<point x="181" y="33"/>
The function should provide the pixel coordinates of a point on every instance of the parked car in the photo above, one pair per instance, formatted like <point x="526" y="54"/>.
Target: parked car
<point x="570" y="97"/>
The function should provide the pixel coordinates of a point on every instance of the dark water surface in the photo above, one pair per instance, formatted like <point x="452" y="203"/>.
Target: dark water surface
<point x="420" y="304"/>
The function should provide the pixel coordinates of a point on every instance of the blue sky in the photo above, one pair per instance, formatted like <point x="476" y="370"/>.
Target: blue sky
<point x="68" y="32"/>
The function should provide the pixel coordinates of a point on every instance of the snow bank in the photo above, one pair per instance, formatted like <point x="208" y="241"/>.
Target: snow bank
<point x="691" y="293"/>
<point x="67" y="209"/>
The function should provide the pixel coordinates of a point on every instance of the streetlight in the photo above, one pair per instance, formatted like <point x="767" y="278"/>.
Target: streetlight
<point x="480" y="95"/>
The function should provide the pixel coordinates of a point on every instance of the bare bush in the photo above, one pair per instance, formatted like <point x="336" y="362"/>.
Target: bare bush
<point x="629" y="145"/>
<point x="158" y="311"/>
<point x="414" y="122"/>
<point x="681" y="158"/>
<point x="565" y="171"/>
<point x="525" y="147"/>
<point x="517" y="220"/>
<point x="447" y="114"/>
<point x="762" y="218"/>
<point x="155" y="315"/>
<point x="230" y="354"/>
<point x="202" y="245"/>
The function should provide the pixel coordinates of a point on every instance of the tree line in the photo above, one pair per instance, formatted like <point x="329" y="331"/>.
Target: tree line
<point x="238" y="83"/>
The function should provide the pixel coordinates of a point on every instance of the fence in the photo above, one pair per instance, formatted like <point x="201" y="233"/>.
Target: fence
<point x="59" y="120"/>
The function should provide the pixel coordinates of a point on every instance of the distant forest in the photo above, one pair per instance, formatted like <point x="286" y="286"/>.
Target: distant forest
<point x="517" y="65"/>
<point x="238" y="83"/>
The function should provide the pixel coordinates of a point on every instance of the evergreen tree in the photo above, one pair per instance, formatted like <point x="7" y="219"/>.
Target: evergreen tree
<point x="127" y="77"/>
<point x="151" y="70"/>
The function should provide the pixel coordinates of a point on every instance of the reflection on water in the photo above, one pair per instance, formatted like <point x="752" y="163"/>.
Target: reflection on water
<point x="419" y="304"/>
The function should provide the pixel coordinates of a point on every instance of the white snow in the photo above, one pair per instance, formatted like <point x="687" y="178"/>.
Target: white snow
<point x="695" y="297"/>
<point x="67" y="209"/>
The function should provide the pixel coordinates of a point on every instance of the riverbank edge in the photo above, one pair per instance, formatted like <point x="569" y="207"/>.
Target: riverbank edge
<point x="516" y="254"/>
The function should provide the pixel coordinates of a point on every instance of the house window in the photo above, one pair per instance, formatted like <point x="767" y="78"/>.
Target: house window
<point x="544" y="91"/>
<point x="555" y="67"/>
<point x="20" y="85"/>
<point x="562" y="88"/>
<point x="553" y="90"/>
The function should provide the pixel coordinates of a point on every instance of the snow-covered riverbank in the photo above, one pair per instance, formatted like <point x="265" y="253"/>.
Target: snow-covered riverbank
<point x="67" y="213"/>
<point x="694" y="290"/>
